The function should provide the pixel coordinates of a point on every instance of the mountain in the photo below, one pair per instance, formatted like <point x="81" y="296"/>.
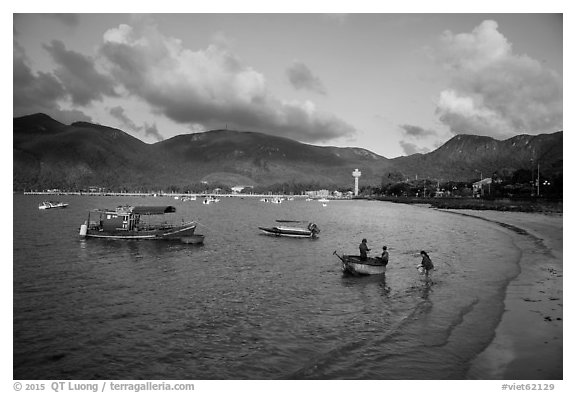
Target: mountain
<point x="49" y="154"/>
<point x="466" y="157"/>
<point x="255" y="158"/>
<point x="52" y="154"/>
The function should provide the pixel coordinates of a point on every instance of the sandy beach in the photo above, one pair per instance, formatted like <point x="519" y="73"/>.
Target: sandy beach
<point x="528" y="344"/>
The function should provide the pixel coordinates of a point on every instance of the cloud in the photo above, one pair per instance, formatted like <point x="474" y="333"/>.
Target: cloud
<point x="301" y="77"/>
<point x="79" y="76"/>
<point x="411" y="148"/>
<point x="118" y="113"/>
<point x="152" y="130"/>
<point x="340" y="18"/>
<point x="494" y="91"/>
<point x="39" y="93"/>
<point x="416" y="131"/>
<point x="71" y="20"/>
<point x="208" y="87"/>
<point x="149" y="130"/>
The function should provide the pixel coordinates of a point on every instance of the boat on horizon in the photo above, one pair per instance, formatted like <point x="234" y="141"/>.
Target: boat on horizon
<point x="135" y="222"/>
<point x="353" y="265"/>
<point x="210" y="200"/>
<point x="311" y="231"/>
<point x="275" y="200"/>
<point x="51" y="205"/>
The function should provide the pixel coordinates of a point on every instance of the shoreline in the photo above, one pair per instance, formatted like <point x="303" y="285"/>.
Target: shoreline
<point x="528" y="342"/>
<point x="528" y="205"/>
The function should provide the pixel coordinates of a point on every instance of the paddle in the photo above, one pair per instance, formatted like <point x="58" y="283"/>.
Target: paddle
<point x="335" y="253"/>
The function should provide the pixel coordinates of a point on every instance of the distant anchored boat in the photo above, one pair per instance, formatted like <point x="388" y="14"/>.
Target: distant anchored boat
<point x="135" y="222"/>
<point x="51" y="205"/>
<point x="272" y="200"/>
<point x="311" y="231"/>
<point x="210" y="200"/>
<point x="351" y="264"/>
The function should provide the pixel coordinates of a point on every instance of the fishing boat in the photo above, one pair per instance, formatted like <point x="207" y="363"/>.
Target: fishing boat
<point x="210" y="200"/>
<point x="135" y="222"/>
<point x="51" y="205"/>
<point x="272" y="200"/>
<point x="311" y="231"/>
<point x="351" y="264"/>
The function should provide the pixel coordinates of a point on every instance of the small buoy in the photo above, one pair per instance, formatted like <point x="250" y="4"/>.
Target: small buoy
<point x="83" y="229"/>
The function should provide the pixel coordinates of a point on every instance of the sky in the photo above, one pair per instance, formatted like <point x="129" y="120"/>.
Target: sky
<point x="393" y="83"/>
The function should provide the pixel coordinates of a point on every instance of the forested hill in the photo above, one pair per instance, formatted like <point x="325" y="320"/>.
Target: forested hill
<point x="49" y="154"/>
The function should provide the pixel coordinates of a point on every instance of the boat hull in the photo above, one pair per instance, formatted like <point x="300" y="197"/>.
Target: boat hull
<point x="288" y="232"/>
<point x="52" y="205"/>
<point x="352" y="264"/>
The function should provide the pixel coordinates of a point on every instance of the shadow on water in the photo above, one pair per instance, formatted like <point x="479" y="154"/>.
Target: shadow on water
<point x="363" y="282"/>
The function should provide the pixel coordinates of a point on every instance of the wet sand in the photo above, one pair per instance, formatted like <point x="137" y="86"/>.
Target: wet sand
<point x="528" y="343"/>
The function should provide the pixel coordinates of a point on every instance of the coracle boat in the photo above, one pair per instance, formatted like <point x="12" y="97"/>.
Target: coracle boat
<point x="51" y="205"/>
<point x="351" y="264"/>
<point x="311" y="231"/>
<point x="135" y="222"/>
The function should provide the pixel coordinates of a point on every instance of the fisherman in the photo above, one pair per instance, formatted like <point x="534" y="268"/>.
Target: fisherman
<point x="384" y="257"/>
<point x="364" y="250"/>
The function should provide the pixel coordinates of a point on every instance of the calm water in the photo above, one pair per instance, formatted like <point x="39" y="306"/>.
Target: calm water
<point x="248" y="306"/>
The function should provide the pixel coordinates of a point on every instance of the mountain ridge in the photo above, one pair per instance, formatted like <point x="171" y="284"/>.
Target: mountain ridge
<point x="49" y="154"/>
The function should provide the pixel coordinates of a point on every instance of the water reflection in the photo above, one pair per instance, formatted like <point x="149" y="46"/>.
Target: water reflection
<point x="426" y="288"/>
<point x="364" y="283"/>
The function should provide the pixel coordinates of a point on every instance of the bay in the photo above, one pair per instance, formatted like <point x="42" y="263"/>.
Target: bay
<point x="249" y="306"/>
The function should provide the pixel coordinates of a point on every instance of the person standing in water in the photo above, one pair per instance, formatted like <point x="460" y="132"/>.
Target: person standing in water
<point x="364" y="250"/>
<point x="426" y="263"/>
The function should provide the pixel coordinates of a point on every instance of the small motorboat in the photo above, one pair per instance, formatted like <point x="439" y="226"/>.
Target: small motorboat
<point x="311" y="231"/>
<point x="210" y="200"/>
<point x="51" y="205"/>
<point x="351" y="264"/>
<point x="272" y="200"/>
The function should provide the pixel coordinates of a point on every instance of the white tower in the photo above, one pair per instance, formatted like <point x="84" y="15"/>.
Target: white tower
<point x="356" y="175"/>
